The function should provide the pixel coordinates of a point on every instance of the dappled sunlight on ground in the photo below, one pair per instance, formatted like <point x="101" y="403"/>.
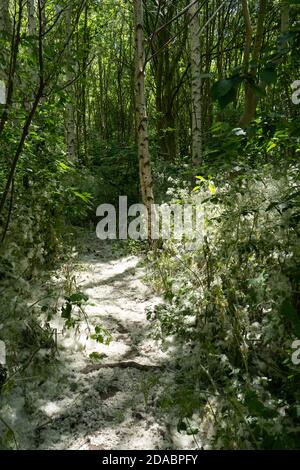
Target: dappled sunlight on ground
<point x="109" y="404"/>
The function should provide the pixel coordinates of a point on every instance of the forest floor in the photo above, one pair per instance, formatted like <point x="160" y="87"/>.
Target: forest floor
<point x="111" y="403"/>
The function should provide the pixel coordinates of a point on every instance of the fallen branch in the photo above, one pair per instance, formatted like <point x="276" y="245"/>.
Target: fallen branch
<point x="121" y="365"/>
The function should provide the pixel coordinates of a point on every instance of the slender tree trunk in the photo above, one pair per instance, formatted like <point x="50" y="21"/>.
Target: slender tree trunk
<point x="82" y="102"/>
<point x="165" y="70"/>
<point x="29" y="118"/>
<point x="32" y="31"/>
<point x="20" y="147"/>
<point x="141" y="115"/>
<point x="70" y="112"/>
<point x="250" y="98"/>
<point x="196" y="85"/>
<point x="285" y="16"/>
<point x="248" y="33"/>
<point x="5" y="30"/>
<point x="246" y="117"/>
<point x="15" y="42"/>
<point x="31" y="16"/>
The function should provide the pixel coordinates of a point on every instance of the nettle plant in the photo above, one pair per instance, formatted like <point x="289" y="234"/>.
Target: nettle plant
<point x="231" y="314"/>
<point x="73" y="313"/>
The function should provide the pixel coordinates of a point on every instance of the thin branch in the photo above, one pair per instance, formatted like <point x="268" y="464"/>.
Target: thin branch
<point x="10" y="430"/>
<point x="161" y="28"/>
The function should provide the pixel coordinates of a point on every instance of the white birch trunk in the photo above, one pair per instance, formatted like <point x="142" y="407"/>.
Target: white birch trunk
<point x="146" y="182"/>
<point x="5" y="29"/>
<point x="70" y="113"/>
<point x="31" y="17"/>
<point x="195" y="45"/>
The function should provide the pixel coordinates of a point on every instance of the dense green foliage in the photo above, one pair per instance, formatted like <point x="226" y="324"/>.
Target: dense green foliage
<point x="232" y="305"/>
<point x="68" y="143"/>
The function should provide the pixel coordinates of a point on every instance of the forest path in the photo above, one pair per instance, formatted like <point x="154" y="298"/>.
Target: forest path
<point x="110" y="404"/>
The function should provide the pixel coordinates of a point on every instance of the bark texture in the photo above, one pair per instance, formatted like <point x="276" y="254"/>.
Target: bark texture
<point x="195" y="45"/>
<point x="141" y="115"/>
<point x="70" y="112"/>
<point x="251" y="99"/>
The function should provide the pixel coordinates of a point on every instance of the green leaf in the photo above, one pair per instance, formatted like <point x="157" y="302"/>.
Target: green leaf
<point x="62" y="167"/>
<point x="181" y="426"/>
<point x="83" y="196"/>
<point x="192" y="432"/>
<point x="271" y="145"/>
<point x="289" y="311"/>
<point x="228" y="98"/>
<point x="258" y="91"/>
<point x="101" y="335"/>
<point x="95" y="356"/>
<point x="268" y="75"/>
<point x="212" y="188"/>
<point x="257" y="407"/>
<point x="221" y="88"/>
<point x="66" y="311"/>
<point x="78" y="298"/>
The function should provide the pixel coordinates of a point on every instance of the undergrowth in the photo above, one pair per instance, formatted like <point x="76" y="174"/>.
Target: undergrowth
<point x="231" y="313"/>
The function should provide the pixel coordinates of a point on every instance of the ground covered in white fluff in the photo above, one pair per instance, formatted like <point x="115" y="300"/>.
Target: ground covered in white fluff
<point x="84" y="405"/>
